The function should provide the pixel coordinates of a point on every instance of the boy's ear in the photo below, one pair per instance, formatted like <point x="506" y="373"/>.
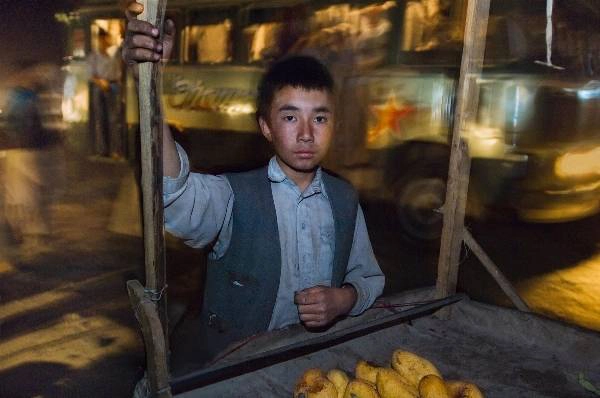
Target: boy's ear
<point x="264" y="128"/>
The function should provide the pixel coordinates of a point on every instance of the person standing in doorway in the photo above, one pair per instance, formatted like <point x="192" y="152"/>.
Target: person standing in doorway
<point x="105" y="85"/>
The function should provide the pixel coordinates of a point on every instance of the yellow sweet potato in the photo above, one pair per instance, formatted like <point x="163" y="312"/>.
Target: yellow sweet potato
<point x="412" y="367"/>
<point x="310" y="375"/>
<point x="432" y="386"/>
<point x="366" y="371"/>
<point x="390" y="384"/>
<point x="340" y="380"/>
<point x="307" y="379"/>
<point x="463" y="389"/>
<point x="320" y="387"/>
<point x="360" y="389"/>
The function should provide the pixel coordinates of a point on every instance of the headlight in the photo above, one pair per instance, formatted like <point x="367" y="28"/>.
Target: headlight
<point x="578" y="164"/>
<point x="485" y="141"/>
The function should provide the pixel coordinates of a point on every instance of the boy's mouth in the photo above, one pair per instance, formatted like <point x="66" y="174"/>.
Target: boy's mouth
<point x="304" y="154"/>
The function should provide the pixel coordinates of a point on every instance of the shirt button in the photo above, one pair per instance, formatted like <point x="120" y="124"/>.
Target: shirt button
<point x="303" y="225"/>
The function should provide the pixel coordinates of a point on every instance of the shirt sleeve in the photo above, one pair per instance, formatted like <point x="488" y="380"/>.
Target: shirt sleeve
<point x="198" y="207"/>
<point x="363" y="271"/>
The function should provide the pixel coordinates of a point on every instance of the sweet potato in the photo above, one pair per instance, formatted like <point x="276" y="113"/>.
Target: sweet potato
<point x="463" y="389"/>
<point x="412" y="367"/>
<point x="340" y="380"/>
<point x="360" y="389"/>
<point x="390" y="384"/>
<point x="366" y="371"/>
<point x="432" y="386"/>
<point x="320" y="387"/>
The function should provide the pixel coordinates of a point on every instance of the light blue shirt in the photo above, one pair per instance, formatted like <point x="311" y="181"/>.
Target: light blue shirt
<point x="198" y="209"/>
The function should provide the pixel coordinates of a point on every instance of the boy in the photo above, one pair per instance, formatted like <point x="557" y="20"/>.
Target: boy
<point x="288" y="241"/>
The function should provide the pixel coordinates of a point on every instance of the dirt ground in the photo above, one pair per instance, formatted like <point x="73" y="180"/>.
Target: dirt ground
<point x="66" y="325"/>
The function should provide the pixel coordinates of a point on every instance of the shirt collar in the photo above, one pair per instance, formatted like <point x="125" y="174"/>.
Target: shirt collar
<point x="276" y="175"/>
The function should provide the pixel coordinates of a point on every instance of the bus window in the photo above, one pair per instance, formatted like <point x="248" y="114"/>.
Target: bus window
<point x="114" y="28"/>
<point x="208" y="38"/>
<point x="272" y="32"/>
<point x="431" y="24"/>
<point x="356" y="35"/>
<point x="432" y="32"/>
<point x="261" y="39"/>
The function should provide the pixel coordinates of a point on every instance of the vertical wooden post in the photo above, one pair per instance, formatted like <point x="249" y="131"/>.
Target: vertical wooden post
<point x="454" y="215"/>
<point x="458" y="172"/>
<point x="151" y="154"/>
<point x="150" y="302"/>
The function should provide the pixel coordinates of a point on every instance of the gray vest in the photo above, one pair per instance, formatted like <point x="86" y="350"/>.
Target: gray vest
<point x="241" y="287"/>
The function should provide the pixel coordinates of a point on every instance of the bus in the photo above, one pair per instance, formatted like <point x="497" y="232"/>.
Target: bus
<point x="534" y="141"/>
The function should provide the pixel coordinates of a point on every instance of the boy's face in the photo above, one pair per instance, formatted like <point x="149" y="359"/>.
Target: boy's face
<point x="300" y="127"/>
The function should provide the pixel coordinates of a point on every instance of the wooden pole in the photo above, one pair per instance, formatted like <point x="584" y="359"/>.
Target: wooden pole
<point x="458" y="172"/>
<point x="151" y="154"/>
<point x="454" y="215"/>
<point x="157" y="369"/>
<point x="150" y="302"/>
<point x="498" y="276"/>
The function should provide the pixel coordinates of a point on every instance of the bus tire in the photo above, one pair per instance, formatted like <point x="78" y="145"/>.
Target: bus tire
<point x="419" y="195"/>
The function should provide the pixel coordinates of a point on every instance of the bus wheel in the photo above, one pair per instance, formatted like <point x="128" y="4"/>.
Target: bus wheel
<point x="419" y="196"/>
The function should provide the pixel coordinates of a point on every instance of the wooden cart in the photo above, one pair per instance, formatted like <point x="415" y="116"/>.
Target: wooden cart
<point x="508" y="353"/>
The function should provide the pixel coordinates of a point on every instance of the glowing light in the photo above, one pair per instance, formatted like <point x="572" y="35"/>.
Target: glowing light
<point x="75" y="341"/>
<point x="74" y="108"/>
<point x="6" y="267"/>
<point x="576" y="189"/>
<point x="487" y="132"/>
<point x="239" y="109"/>
<point x="22" y="306"/>
<point x="560" y="213"/>
<point x="578" y="164"/>
<point x="577" y="288"/>
<point x="485" y="141"/>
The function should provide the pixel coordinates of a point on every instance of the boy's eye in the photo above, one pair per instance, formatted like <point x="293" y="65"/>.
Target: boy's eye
<point x="289" y="118"/>
<point x="321" y="119"/>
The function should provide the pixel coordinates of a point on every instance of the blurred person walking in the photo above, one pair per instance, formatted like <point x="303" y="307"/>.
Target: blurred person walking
<point x="32" y="164"/>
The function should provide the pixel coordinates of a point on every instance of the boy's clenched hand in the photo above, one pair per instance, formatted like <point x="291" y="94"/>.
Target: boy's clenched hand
<point x="320" y="305"/>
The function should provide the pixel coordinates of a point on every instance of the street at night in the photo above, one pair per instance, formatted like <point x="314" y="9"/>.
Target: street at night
<point x="67" y="325"/>
<point x="479" y="115"/>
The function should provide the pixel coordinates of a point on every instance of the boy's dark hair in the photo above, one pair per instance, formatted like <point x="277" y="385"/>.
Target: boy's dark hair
<point x="298" y="71"/>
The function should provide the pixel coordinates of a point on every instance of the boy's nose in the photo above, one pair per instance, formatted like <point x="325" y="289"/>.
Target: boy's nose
<point x="305" y="133"/>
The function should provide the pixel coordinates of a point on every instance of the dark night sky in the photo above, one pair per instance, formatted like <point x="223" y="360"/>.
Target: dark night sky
<point x="28" y="31"/>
